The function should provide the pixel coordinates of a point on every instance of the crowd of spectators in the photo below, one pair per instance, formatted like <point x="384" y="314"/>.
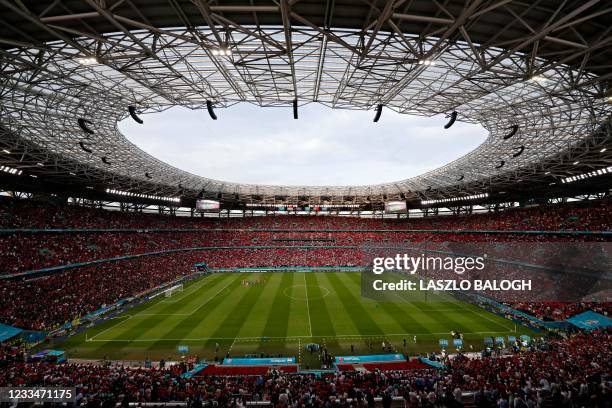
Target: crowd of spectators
<point x="564" y="372"/>
<point x="577" y="216"/>
<point x="555" y="311"/>
<point x="573" y="372"/>
<point x="46" y="302"/>
<point x="25" y="252"/>
<point x="137" y="233"/>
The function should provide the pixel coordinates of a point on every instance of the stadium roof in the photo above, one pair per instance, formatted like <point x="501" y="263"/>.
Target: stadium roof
<point x="534" y="74"/>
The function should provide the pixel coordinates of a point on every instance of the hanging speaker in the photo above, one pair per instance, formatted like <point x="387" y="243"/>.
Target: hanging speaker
<point x="83" y="125"/>
<point x="378" y="112"/>
<point x="84" y="148"/>
<point x="513" y="129"/>
<point x="519" y="151"/>
<point x="133" y="114"/>
<point x="453" y="118"/>
<point x="211" y="112"/>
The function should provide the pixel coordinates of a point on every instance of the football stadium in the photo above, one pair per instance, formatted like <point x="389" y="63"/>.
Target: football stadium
<point x="306" y="203"/>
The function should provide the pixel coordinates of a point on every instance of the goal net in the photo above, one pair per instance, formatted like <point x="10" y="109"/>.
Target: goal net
<point x="176" y="288"/>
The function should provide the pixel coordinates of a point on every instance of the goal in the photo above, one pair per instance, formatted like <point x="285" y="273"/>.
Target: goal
<point x="170" y="291"/>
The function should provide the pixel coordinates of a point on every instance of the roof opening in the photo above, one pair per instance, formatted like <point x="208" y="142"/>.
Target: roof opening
<point x="250" y="144"/>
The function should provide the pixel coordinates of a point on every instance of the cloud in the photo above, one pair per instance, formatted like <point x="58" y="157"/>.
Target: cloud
<point x="250" y="144"/>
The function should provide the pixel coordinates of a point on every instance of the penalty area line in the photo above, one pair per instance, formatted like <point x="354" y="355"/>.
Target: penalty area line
<point x="186" y="314"/>
<point x="211" y="298"/>
<point x="93" y="338"/>
<point x="190" y="290"/>
<point x="480" y="312"/>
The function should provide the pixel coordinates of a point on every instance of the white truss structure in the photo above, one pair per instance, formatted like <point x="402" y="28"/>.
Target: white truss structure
<point x="558" y="109"/>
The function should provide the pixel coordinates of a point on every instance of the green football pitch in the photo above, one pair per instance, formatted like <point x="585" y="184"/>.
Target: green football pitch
<point x="218" y="314"/>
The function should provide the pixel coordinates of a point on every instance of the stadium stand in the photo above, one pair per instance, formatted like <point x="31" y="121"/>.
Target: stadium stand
<point x="80" y="241"/>
<point x="228" y="247"/>
<point x="563" y="372"/>
<point x="543" y="375"/>
<point x="555" y="311"/>
<point x="590" y="215"/>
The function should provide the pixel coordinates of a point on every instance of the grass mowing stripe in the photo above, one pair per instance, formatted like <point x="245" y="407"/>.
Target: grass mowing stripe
<point x="399" y="311"/>
<point x="462" y="322"/>
<point x="298" y="322"/>
<point x="441" y="319"/>
<point x="141" y="325"/>
<point x="133" y="326"/>
<point x="260" y="311"/>
<point x="322" y="324"/>
<point x="364" y="333"/>
<point x="454" y="320"/>
<point x="145" y="310"/>
<point x="177" y="326"/>
<point x="277" y="322"/>
<point x="404" y="318"/>
<point x="495" y="322"/>
<point x="240" y="313"/>
<point x="199" y="317"/>
<point x="184" y="325"/>
<point x="189" y="289"/>
<point x="354" y="308"/>
<point x="190" y="300"/>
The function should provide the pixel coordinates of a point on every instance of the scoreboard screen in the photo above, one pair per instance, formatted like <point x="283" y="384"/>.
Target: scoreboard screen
<point x="207" y="205"/>
<point x="395" y="207"/>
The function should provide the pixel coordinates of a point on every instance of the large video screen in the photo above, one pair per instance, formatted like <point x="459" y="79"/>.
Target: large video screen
<point x="207" y="205"/>
<point x="395" y="207"/>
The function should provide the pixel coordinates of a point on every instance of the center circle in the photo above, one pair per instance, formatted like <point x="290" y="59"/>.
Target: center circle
<point x="324" y="293"/>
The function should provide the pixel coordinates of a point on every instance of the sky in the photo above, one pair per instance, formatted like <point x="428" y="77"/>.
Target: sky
<point x="250" y="144"/>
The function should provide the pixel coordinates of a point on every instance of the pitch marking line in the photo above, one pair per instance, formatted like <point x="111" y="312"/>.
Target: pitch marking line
<point x="212" y="297"/>
<point x="327" y="292"/>
<point x="112" y="327"/>
<point x="156" y="314"/>
<point x="477" y="312"/>
<point x="307" y="306"/>
<point x="186" y="314"/>
<point x="480" y="312"/>
<point x="232" y="345"/>
<point x="187" y="292"/>
<point x="337" y="337"/>
<point x="162" y="314"/>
